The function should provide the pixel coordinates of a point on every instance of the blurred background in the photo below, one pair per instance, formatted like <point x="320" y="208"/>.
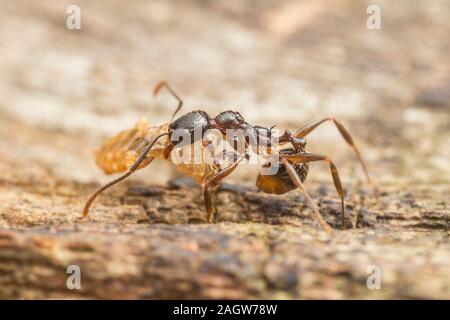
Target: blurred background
<point x="62" y="92"/>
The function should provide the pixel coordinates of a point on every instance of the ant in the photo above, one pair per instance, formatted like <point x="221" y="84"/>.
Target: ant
<point x="135" y="148"/>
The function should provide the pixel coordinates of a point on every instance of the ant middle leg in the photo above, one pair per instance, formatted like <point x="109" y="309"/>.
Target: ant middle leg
<point x="214" y="181"/>
<point x="344" y="133"/>
<point x="162" y="84"/>
<point x="309" y="157"/>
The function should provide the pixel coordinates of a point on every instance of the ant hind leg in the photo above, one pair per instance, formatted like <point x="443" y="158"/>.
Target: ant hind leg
<point x="309" y="157"/>
<point x="296" y="179"/>
<point x="344" y="133"/>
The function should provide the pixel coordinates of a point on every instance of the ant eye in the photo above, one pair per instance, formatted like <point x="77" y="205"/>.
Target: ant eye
<point x="239" y="117"/>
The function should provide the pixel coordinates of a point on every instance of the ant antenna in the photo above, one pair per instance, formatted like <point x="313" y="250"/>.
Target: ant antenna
<point x="123" y="177"/>
<point x="159" y="86"/>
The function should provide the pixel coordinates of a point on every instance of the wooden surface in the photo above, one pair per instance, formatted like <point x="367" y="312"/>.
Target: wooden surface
<point x="63" y="92"/>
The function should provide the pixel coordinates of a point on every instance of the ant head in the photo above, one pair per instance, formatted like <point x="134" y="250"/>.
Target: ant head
<point x="230" y="120"/>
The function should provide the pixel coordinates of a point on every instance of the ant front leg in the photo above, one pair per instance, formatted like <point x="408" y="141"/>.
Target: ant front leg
<point x="309" y="157"/>
<point x="133" y="168"/>
<point x="344" y="133"/>
<point x="162" y="84"/>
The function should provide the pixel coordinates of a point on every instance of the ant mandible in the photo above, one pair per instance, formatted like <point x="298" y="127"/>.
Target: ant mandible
<point x="135" y="148"/>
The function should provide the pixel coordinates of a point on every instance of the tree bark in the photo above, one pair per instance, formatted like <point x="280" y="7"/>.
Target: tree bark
<point x="152" y="242"/>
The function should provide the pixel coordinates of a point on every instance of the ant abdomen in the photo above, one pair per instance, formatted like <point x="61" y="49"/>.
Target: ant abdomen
<point x="280" y="182"/>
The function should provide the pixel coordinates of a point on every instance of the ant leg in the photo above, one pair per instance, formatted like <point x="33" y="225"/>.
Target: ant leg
<point x="213" y="182"/>
<point x="133" y="168"/>
<point x="296" y="179"/>
<point x="208" y="205"/>
<point x="344" y="133"/>
<point x="308" y="157"/>
<point x="159" y="86"/>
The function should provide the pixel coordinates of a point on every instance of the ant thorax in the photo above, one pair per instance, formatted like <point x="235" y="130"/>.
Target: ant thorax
<point x="213" y="147"/>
